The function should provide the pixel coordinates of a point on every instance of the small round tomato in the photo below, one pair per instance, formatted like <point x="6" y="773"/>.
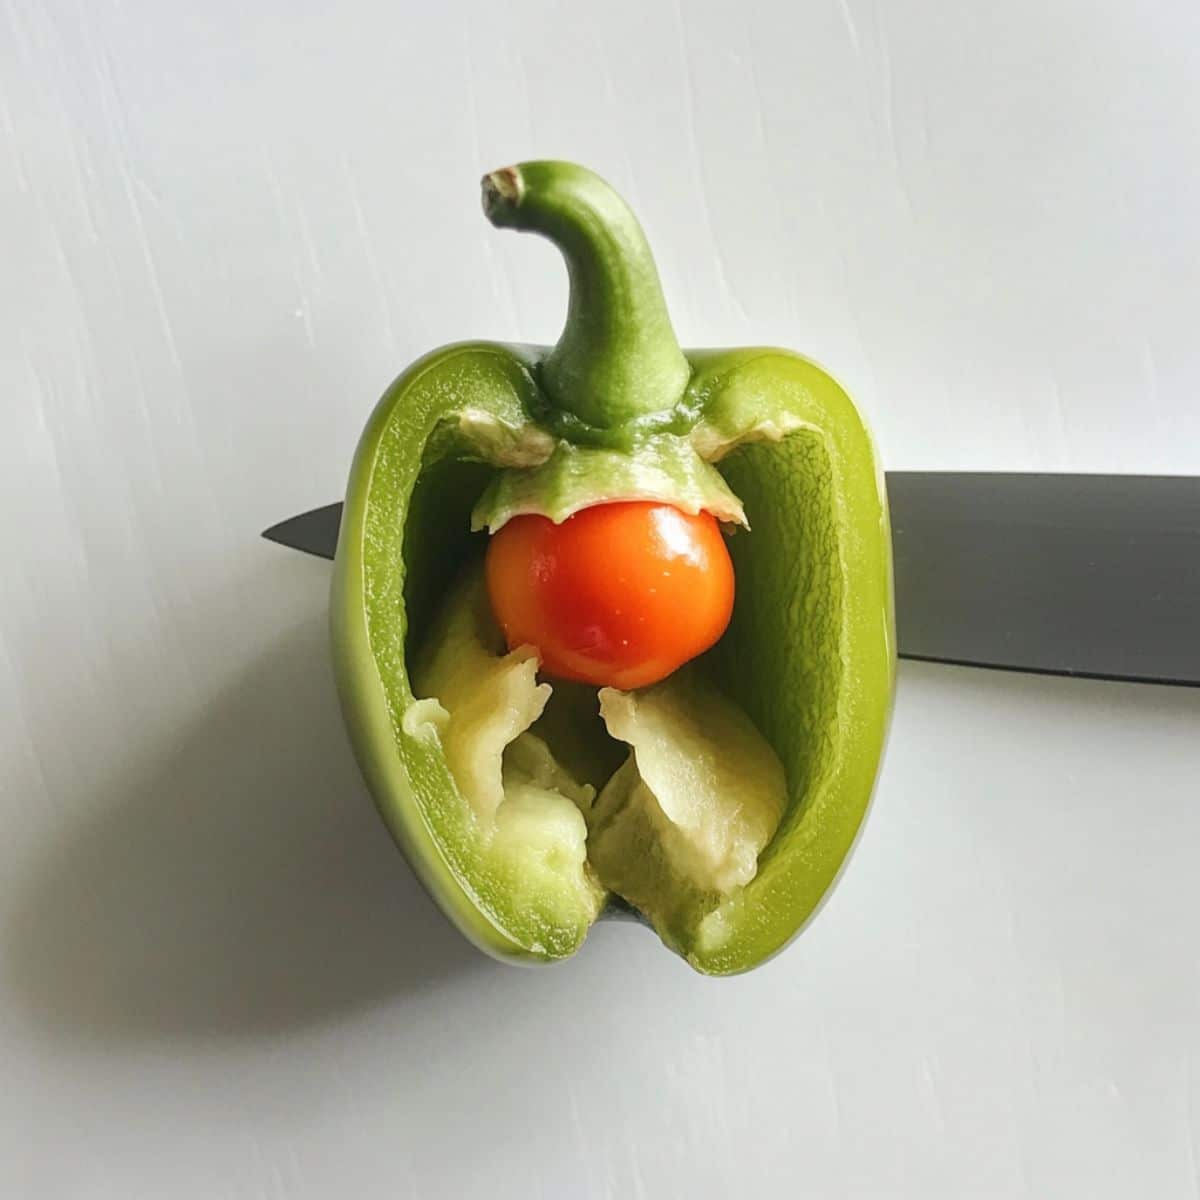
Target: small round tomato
<point x="618" y="595"/>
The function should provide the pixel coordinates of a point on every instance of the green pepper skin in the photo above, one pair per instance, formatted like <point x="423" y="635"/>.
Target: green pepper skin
<point x="387" y="571"/>
<point x="810" y="653"/>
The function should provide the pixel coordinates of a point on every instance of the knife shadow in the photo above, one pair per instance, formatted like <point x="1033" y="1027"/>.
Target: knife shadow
<point x="238" y="883"/>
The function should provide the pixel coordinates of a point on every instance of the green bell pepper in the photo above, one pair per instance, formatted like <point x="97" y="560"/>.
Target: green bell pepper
<point x="476" y="432"/>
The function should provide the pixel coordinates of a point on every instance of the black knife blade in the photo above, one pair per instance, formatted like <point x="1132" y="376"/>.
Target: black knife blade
<point x="1096" y="576"/>
<point x="313" y="532"/>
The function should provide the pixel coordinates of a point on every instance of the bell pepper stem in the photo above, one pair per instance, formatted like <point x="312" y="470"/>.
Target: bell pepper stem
<point x="617" y="358"/>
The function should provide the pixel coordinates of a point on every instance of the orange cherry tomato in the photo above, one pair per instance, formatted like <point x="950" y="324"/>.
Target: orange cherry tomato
<point x="618" y="595"/>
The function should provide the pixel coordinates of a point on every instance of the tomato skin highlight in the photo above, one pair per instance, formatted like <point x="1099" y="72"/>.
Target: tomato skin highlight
<point x="618" y="595"/>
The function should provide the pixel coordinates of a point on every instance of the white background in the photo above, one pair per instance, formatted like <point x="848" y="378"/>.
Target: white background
<point x="225" y="227"/>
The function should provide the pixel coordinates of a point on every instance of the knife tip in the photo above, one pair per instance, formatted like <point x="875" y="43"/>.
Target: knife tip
<point x="273" y="533"/>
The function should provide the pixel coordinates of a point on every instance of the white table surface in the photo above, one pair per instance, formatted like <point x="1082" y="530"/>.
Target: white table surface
<point x="225" y="228"/>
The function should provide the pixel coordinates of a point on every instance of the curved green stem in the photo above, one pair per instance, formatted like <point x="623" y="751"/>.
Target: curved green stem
<point x="617" y="357"/>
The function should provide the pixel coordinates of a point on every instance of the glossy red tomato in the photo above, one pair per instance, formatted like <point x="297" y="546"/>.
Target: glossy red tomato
<point x="618" y="595"/>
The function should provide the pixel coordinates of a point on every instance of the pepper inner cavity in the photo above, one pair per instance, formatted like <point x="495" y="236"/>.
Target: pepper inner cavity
<point x="666" y="795"/>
